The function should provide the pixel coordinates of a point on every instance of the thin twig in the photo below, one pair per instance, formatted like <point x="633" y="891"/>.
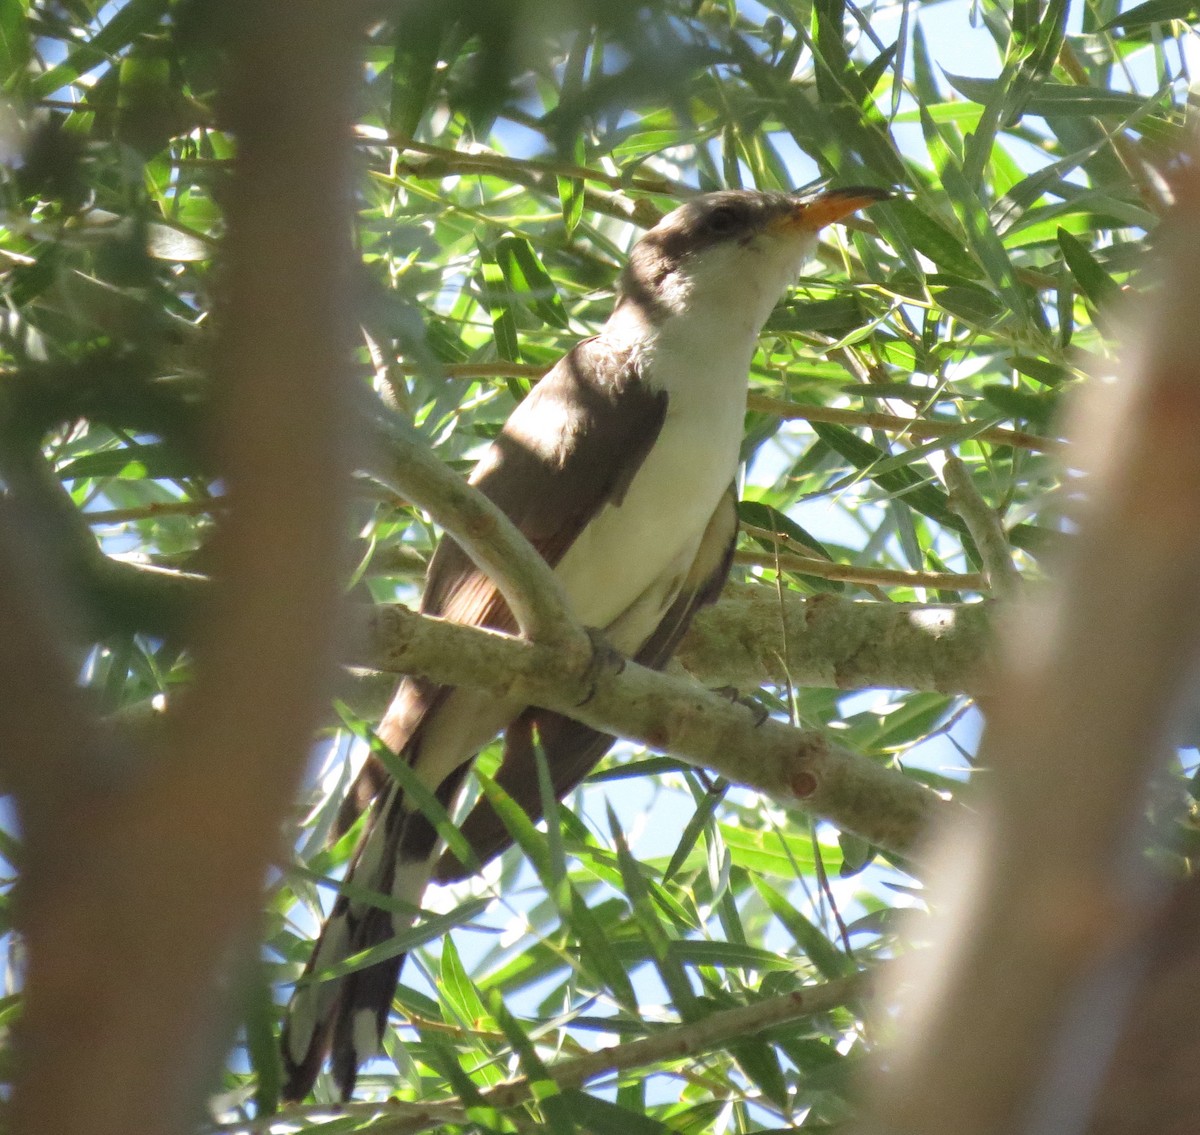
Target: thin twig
<point x="155" y="509"/>
<point x="915" y="427"/>
<point x="798" y="411"/>
<point x="985" y="528"/>
<point x="670" y="1043"/>
<point x="849" y="573"/>
<point x="676" y="1042"/>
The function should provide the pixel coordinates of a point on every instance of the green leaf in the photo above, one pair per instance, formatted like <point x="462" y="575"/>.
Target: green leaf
<point x="972" y="303"/>
<point x="769" y="852"/>
<point x="703" y="816"/>
<point x="14" y="43"/>
<point x="555" y="855"/>
<point x="259" y="1017"/>
<point x="541" y="1083"/>
<point x="908" y="484"/>
<point x="417" y="47"/>
<point x="728" y="955"/>
<point x="418" y="796"/>
<point x="596" y="952"/>
<point x="1055" y="99"/>
<point x="571" y="199"/>
<point x="1040" y="370"/>
<point x="661" y="944"/>
<point x="522" y="829"/>
<point x="430" y="930"/>
<point x="127" y="22"/>
<point x="603" y="1118"/>
<point x="457" y="990"/>
<point x="528" y="281"/>
<point x="857" y="854"/>
<point x="758" y="1060"/>
<point x="1154" y="12"/>
<point x="1093" y="280"/>
<point x="1038" y="408"/>
<point x="829" y="960"/>
<point x="764" y="516"/>
<point x="499" y="298"/>
<point x="932" y="238"/>
<point x="132" y="462"/>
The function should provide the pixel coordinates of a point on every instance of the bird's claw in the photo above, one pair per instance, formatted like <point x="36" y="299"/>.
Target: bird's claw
<point x="605" y="657"/>
<point x="731" y="693"/>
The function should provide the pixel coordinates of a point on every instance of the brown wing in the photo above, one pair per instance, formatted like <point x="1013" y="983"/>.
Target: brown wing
<point x="573" y="446"/>
<point x="571" y="749"/>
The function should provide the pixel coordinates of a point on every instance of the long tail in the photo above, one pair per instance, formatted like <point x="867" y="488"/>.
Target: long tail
<point x="343" y="1018"/>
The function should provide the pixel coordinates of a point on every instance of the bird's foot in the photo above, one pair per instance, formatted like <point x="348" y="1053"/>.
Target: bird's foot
<point x="605" y="657"/>
<point x="733" y="694"/>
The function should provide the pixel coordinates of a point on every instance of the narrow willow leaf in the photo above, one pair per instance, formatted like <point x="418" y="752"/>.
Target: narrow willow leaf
<point x="1154" y="12"/>
<point x="1093" y="280"/>
<point x="14" y="43"/>
<point x="528" y="281"/>
<point x="417" y="794"/>
<point x="428" y="931"/>
<point x="417" y="46"/>
<point x="829" y="961"/>
<point x="700" y="819"/>
<point x="126" y="24"/>
<point x="600" y="1117"/>
<point x="655" y="934"/>
<point x="500" y="300"/>
<point x="1054" y="98"/>
<point x="456" y="988"/>
<point x="571" y="199"/>
<point x="259" y="1016"/>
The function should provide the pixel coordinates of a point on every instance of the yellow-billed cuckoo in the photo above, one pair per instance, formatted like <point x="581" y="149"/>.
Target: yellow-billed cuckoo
<point x="619" y="468"/>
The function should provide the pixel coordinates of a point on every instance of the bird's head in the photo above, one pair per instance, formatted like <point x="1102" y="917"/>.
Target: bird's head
<point x="731" y="252"/>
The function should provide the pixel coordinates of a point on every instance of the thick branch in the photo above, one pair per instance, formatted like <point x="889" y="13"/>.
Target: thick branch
<point x="137" y="892"/>
<point x="756" y="636"/>
<point x="798" y="766"/>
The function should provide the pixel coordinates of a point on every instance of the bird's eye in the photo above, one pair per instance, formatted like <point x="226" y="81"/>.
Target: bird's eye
<point x="722" y="220"/>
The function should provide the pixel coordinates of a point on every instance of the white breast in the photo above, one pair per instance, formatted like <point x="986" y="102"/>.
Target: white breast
<point x="631" y="558"/>
<point x="647" y="543"/>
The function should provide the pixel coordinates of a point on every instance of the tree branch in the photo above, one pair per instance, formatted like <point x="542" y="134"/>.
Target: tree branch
<point x="140" y="886"/>
<point x="797" y="766"/>
<point x="1037" y="891"/>
<point x="528" y="584"/>
<point x="799" y="411"/>
<point x="668" y="1043"/>
<point x="672" y="1042"/>
<point x="756" y="636"/>
<point x="985" y="528"/>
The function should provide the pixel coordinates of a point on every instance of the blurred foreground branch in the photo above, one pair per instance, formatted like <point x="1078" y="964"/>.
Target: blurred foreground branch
<point x="1039" y="895"/>
<point x="142" y="878"/>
